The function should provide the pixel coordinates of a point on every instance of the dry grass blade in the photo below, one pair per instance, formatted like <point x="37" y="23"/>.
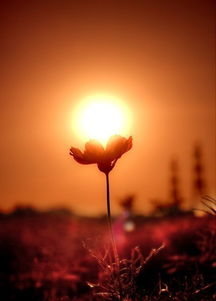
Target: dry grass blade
<point x="128" y="273"/>
<point x="206" y="287"/>
<point x="210" y="203"/>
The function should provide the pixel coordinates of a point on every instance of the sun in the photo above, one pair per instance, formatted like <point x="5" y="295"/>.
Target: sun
<point x="101" y="116"/>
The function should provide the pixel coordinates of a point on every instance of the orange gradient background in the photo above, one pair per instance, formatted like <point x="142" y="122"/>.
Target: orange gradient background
<point x="159" y="59"/>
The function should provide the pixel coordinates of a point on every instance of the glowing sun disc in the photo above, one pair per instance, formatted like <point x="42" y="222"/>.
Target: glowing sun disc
<point x="100" y="116"/>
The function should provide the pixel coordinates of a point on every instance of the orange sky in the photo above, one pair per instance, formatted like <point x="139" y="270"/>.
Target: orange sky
<point x="157" y="56"/>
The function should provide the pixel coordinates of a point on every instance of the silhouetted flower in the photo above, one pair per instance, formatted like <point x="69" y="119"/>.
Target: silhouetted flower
<point x="105" y="158"/>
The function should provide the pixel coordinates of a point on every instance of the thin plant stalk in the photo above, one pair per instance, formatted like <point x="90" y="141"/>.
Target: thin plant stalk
<point x="113" y="243"/>
<point x="115" y="252"/>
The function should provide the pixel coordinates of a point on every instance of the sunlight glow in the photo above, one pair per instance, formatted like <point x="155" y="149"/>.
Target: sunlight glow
<point x="101" y="116"/>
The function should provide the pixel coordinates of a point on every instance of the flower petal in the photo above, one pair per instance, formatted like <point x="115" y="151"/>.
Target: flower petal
<point x="78" y="156"/>
<point x="117" y="146"/>
<point x="94" y="151"/>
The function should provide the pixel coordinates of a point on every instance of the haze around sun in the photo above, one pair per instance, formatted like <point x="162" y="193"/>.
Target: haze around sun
<point x="100" y="116"/>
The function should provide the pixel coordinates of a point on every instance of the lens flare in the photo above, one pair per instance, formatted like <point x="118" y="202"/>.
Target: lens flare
<point x="101" y="116"/>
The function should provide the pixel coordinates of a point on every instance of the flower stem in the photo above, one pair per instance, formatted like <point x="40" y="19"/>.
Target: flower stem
<point x="115" y="253"/>
<point x="114" y="248"/>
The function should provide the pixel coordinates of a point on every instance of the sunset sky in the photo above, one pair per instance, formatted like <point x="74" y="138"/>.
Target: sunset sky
<point x="157" y="57"/>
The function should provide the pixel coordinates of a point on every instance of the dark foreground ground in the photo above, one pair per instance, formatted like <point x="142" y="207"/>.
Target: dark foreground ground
<point x="55" y="257"/>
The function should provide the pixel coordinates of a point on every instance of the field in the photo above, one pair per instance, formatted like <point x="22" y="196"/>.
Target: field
<point x="58" y="256"/>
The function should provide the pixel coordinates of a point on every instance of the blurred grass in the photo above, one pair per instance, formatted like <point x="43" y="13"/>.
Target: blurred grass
<point x="42" y="257"/>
